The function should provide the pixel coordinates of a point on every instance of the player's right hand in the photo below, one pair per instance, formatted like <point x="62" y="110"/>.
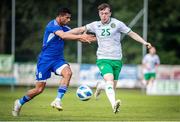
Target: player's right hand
<point x="87" y="38"/>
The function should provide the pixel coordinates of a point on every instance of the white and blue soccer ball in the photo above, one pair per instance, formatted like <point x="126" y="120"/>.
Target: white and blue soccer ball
<point x="84" y="92"/>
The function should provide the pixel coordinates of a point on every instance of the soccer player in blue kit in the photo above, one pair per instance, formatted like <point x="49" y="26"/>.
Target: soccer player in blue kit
<point x="51" y="59"/>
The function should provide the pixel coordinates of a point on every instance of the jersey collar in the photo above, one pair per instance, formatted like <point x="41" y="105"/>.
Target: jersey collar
<point x="107" y="22"/>
<point x="55" y="22"/>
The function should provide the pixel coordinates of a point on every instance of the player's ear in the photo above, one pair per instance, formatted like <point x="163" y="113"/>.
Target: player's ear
<point x="110" y="14"/>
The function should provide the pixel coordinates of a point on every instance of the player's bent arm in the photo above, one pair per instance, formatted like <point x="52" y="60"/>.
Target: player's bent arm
<point x="78" y="30"/>
<point x="145" y="66"/>
<point x="138" y="38"/>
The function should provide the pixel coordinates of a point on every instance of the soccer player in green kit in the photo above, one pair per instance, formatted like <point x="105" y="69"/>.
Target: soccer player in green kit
<point x="109" y="53"/>
<point x="150" y="64"/>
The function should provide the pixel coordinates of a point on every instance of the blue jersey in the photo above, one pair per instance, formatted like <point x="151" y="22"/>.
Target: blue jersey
<point x="53" y="45"/>
<point x="51" y="57"/>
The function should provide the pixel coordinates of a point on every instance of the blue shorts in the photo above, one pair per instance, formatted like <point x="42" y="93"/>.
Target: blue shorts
<point x="44" y="68"/>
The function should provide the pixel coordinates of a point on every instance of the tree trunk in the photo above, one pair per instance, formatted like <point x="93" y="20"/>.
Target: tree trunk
<point x="2" y="28"/>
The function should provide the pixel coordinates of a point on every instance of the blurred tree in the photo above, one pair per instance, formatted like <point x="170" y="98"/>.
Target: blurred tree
<point x="125" y="11"/>
<point x="32" y="17"/>
<point x="164" y="24"/>
<point x="5" y="26"/>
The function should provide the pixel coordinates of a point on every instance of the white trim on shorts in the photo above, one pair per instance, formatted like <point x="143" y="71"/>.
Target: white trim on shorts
<point x="41" y="81"/>
<point x="59" y="70"/>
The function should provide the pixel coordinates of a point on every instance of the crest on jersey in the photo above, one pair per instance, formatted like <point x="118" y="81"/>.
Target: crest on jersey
<point x="113" y="25"/>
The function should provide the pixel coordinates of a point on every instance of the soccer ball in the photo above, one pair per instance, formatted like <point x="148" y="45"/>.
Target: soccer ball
<point x="84" y="93"/>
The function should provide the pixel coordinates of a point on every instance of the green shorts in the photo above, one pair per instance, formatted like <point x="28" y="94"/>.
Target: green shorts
<point x="148" y="76"/>
<point x="109" y="66"/>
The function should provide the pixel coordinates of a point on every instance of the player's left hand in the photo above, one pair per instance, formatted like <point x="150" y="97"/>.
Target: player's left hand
<point x="148" y="45"/>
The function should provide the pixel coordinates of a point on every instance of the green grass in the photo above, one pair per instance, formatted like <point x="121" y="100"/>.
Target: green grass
<point x="136" y="106"/>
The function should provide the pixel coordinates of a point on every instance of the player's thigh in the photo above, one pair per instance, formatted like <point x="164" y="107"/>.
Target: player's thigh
<point x="116" y="74"/>
<point x="62" y="68"/>
<point x="109" y="77"/>
<point x="115" y="83"/>
<point x="43" y="70"/>
<point x="152" y="76"/>
<point x="104" y="67"/>
<point x="66" y="72"/>
<point x="117" y="66"/>
<point x="147" y="76"/>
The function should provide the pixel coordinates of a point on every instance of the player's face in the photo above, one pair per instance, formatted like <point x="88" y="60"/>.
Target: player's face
<point x="65" y="19"/>
<point x="152" y="51"/>
<point x="104" y="15"/>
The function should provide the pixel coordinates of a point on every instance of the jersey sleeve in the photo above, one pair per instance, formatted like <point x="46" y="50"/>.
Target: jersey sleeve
<point x="66" y="28"/>
<point x="90" y="27"/>
<point x="157" y="60"/>
<point x="53" y="28"/>
<point x="123" y="28"/>
<point x="144" y="59"/>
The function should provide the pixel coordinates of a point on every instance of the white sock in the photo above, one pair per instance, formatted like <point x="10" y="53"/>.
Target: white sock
<point x="57" y="99"/>
<point x="144" y="82"/>
<point x="110" y="93"/>
<point x="101" y="85"/>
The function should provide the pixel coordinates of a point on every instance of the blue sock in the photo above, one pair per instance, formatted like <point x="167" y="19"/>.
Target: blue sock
<point x="61" y="91"/>
<point x="24" y="99"/>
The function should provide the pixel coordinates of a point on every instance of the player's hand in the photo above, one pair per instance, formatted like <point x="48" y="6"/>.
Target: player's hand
<point x="87" y="38"/>
<point x="148" y="45"/>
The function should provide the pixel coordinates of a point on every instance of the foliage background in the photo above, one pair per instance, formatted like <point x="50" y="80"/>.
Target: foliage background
<point x="32" y="17"/>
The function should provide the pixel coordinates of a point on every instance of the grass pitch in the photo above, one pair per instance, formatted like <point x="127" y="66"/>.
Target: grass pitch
<point x="136" y="106"/>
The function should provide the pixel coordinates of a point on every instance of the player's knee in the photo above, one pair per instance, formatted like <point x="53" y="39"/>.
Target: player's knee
<point x="110" y="82"/>
<point x="39" y="90"/>
<point x="68" y="74"/>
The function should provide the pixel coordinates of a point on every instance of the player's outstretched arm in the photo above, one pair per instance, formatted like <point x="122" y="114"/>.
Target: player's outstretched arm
<point x="138" y="38"/>
<point x="70" y="36"/>
<point x="78" y="30"/>
<point x="82" y="30"/>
